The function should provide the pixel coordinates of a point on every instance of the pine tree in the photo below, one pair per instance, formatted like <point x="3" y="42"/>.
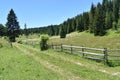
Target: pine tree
<point x="85" y="21"/>
<point x="62" y="32"/>
<point x="12" y="26"/>
<point x="114" y="25"/>
<point x="79" y="23"/>
<point x="73" y="24"/>
<point x="91" y="18"/>
<point x="69" y="26"/>
<point x="108" y="20"/>
<point x="118" y="25"/>
<point x="2" y="30"/>
<point x="99" y="23"/>
<point x="116" y="10"/>
<point x="52" y="31"/>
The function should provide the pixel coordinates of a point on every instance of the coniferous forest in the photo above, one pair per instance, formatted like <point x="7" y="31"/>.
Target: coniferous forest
<point x="98" y="20"/>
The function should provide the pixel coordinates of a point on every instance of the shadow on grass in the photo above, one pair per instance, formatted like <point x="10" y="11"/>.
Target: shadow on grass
<point x="113" y="63"/>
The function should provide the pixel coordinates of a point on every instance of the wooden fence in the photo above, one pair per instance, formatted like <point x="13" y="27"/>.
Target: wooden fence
<point x="90" y="53"/>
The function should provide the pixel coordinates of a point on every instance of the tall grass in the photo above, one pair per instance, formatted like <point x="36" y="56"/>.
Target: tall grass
<point x="16" y="65"/>
<point x="88" y="40"/>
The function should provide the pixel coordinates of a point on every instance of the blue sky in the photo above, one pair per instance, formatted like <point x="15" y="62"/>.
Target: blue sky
<point x="38" y="13"/>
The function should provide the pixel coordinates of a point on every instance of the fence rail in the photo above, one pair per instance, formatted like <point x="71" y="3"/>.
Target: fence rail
<point x="90" y="53"/>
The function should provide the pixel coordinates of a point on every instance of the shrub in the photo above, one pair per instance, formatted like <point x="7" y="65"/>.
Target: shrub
<point x="43" y="42"/>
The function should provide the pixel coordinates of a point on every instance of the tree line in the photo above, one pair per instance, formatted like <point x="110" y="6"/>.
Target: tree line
<point x="98" y="20"/>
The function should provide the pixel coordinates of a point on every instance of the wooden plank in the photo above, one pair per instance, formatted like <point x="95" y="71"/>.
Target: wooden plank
<point x="114" y="50"/>
<point x="88" y="57"/>
<point x="113" y="55"/>
<point x="94" y="49"/>
<point x="93" y="54"/>
<point x="77" y="51"/>
<point x="83" y="47"/>
<point x="79" y="47"/>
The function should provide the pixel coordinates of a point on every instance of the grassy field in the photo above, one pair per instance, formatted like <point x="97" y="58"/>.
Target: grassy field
<point x="25" y="62"/>
<point x="16" y="65"/>
<point x="110" y="41"/>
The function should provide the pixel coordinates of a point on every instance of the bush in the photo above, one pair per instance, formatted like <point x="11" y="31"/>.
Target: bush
<point x="43" y="42"/>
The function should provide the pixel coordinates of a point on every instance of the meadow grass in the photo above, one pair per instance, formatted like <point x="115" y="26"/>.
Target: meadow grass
<point x="85" y="69"/>
<point x="16" y="65"/>
<point x="89" y="40"/>
<point x="110" y="41"/>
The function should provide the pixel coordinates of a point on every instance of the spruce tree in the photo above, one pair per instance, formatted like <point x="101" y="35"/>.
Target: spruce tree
<point x="85" y="21"/>
<point x="118" y="25"/>
<point x="99" y="23"/>
<point x="114" y="25"/>
<point x="79" y="23"/>
<point x="116" y="10"/>
<point x="73" y="24"/>
<point x="2" y="30"/>
<point x="91" y="18"/>
<point x="108" y="20"/>
<point x="62" y="32"/>
<point x="69" y="26"/>
<point x="12" y="26"/>
<point x="52" y="31"/>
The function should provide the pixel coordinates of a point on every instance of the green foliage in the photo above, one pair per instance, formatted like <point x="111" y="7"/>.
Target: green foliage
<point x="116" y="10"/>
<point x="85" y="21"/>
<point x="91" y="19"/>
<point x="43" y="42"/>
<point x="52" y="31"/>
<point x="2" y="30"/>
<point x="62" y="32"/>
<point x="69" y="26"/>
<point x="99" y="22"/>
<point x="12" y="26"/>
<point x="114" y="25"/>
<point x="108" y="20"/>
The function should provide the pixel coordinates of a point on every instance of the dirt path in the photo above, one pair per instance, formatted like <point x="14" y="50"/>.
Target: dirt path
<point x="79" y="63"/>
<point x="48" y="65"/>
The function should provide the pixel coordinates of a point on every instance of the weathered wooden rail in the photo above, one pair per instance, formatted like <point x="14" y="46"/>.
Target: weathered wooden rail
<point x="90" y="53"/>
<point x="106" y="55"/>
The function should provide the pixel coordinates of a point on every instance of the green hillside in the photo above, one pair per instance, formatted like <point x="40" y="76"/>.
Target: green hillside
<point x="111" y="40"/>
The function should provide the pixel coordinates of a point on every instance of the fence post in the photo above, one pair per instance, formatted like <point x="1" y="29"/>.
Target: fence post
<point x="83" y="49"/>
<point x="71" y="49"/>
<point x="61" y="47"/>
<point x="105" y="55"/>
